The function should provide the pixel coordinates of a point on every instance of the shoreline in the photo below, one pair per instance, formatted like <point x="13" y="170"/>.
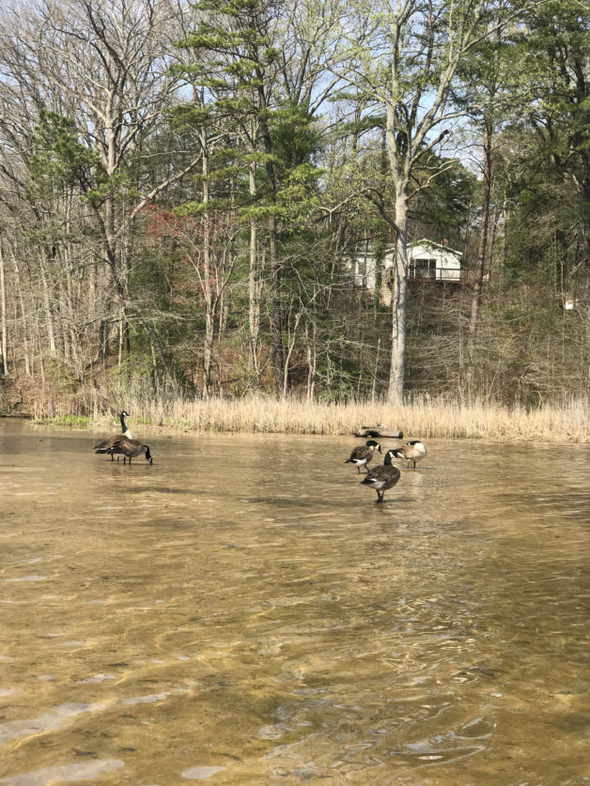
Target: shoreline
<point x="423" y="419"/>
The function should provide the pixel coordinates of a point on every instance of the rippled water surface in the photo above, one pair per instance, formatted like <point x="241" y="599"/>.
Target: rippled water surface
<point x="242" y="612"/>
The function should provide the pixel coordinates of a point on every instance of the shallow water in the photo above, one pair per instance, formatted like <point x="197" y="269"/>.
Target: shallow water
<point x="242" y="612"/>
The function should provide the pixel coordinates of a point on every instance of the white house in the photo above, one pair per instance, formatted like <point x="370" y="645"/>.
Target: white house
<point x="429" y="261"/>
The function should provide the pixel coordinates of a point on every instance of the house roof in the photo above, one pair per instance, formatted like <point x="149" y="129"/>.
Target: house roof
<point x="442" y="246"/>
<point x="370" y="252"/>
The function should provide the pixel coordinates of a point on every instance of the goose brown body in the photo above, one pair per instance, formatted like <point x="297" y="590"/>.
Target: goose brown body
<point x="363" y="454"/>
<point x="383" y="477"/>
<point x="412" y="451"/>
<point x="129" y="448"/>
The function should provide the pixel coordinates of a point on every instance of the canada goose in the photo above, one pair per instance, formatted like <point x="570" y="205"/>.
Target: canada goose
<point x="103" y="447"/>
<point x="383" y="477"/>
<point x="363" y="454"/>
<point x="412" y="451"/>
<point x="129" y="448"/>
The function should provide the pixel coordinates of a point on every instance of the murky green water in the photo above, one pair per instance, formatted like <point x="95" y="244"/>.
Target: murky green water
<point x="242" y="612"/>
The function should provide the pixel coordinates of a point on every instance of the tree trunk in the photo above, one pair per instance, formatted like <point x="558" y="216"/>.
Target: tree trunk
<point x="291" y="339"/>
<point x="253" y="281"/>
<point x="585" y="198"/>
<point x="276" y="316"/>
<point x="27" y="341"/>
<point x="3" y="336"/>
<point x="395" y="387"/>
<point x="311" y="360"/>
<point x="206" y="282"/>
<point x="47" y="304"/>
<point x="376" y="372"/>
<point x="482" y="260"/>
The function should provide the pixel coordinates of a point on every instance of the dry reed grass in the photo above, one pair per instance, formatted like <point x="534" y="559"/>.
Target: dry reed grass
<point x="438" y="419"/>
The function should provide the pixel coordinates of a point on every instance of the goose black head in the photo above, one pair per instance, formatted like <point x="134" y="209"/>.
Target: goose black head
<point x="371" y="443"/>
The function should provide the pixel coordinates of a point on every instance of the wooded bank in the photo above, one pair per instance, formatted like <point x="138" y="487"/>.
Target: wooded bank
<point x="186" y="192"/>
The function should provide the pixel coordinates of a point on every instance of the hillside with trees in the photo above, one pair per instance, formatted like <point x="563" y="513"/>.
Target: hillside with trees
<point x="184" y="188"/>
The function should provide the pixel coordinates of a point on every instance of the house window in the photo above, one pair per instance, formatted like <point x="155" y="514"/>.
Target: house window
<point x="423" y="268"/>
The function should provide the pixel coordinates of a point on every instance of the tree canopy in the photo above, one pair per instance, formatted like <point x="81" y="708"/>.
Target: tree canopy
<point x="190" y="196"/>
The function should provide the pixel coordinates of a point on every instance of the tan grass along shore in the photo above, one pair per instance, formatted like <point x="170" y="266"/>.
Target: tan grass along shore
<point x="426" y="419"/>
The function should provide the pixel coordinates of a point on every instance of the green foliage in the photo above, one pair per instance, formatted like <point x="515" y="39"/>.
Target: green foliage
<point x="60" y="160"/>
<point x="70" y="421"/>
<point x="556" y="50"/>
<point x="444" y="209"/>
<point x="188" y="116"/>
<point x="294" y="134"/>
<point x="118" y="186"/>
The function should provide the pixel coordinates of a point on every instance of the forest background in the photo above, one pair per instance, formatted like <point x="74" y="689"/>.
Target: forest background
<point x="184" y="187"/>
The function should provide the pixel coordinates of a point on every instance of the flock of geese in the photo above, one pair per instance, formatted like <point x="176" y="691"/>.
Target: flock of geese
<point x="381" y="478"/>
<point x="386" y="475"/>
<point x="123" y="444"/>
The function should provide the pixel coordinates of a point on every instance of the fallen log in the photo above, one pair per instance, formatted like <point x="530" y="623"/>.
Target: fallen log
<point x="385" y="432"/>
